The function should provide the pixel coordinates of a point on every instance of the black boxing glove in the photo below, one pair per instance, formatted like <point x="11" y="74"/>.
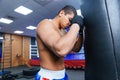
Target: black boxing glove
<point x="79" y="20"/>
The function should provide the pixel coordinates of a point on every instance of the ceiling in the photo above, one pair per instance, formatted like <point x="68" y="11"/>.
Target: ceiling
<point x="41" y="9"/>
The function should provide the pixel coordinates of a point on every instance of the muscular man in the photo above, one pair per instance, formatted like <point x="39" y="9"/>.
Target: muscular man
<point x="54" y="43"/>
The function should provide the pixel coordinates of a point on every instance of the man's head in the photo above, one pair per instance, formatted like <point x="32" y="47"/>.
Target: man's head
<point x="66" y="14"/>
<point x="69" y="9"/>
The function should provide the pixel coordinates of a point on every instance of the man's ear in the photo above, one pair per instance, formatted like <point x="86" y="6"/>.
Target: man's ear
<point x="61" y="13"/>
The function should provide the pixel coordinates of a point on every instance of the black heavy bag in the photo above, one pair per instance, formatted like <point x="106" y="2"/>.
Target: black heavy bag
<point x="102" y="39"/>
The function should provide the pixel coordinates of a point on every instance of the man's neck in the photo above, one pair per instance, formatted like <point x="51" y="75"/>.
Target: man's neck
<point x="56" y="22"/>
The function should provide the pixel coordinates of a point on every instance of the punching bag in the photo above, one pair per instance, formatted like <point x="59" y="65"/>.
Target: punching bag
<point x="102" y="39"/>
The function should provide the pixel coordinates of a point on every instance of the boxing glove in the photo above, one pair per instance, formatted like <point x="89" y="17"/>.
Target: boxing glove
<point x="79" y="20"/>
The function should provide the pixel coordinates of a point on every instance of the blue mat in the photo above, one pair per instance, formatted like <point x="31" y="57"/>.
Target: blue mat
<point x="5" y="72"/>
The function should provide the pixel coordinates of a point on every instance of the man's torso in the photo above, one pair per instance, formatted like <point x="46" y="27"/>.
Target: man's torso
<point x="49" y="59"/>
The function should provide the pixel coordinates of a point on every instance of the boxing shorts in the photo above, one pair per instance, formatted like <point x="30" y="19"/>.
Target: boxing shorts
<point x="45" y="74"/>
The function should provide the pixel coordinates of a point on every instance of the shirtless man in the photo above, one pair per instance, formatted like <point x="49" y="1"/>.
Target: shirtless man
<point x="54" y="43"/>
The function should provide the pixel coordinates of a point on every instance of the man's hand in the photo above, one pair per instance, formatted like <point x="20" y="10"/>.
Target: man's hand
<point x="79" y="20"/>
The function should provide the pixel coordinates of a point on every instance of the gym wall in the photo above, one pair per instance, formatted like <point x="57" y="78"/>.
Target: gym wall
<point x="14" y="45"/>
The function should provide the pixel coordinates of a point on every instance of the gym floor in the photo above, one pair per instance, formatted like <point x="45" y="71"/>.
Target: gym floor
<point x="77" y="74"/>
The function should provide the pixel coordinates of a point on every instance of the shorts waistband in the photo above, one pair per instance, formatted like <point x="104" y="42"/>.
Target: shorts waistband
<point x="50" y="74"/>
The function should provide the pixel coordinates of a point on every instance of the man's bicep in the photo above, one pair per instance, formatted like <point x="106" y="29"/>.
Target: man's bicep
<point x="49" y="36"/>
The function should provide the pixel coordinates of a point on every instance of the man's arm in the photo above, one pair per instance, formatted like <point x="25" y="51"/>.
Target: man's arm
<point x="78" y="44"/>
<point x="78" y="20"/>
<point x="60" y="45"/>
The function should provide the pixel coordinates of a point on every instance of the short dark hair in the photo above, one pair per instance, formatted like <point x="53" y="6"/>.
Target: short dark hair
<point x="68" y="9"/>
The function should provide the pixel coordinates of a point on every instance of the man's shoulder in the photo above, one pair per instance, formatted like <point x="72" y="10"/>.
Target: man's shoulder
<point x="46" y="22"/>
